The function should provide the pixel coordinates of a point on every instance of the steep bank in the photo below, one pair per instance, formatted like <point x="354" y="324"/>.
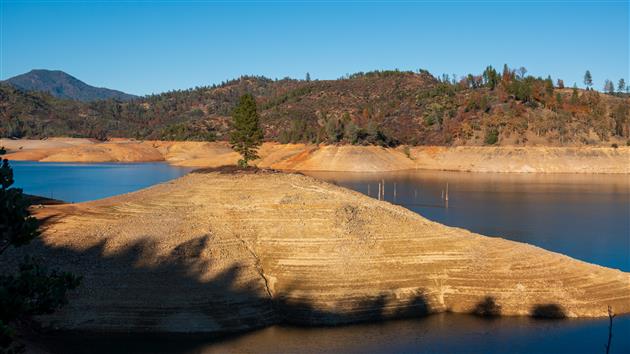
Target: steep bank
<point x="301" y="157"/>
<point x="524" y="159"/>
<point x="219" y="251"/>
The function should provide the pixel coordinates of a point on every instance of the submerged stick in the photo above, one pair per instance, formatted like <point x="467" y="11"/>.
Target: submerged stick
<point x="611" y="315"/>
<point x="446" y="197"/>
<point x="383" y="189"/>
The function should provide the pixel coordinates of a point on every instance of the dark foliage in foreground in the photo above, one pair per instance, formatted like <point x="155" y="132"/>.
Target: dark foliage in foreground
<point x="32" y="289"/>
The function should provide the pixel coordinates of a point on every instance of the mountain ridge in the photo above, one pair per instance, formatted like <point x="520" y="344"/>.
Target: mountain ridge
<point x="384" y="108"/>
<point x="65" y="86"/>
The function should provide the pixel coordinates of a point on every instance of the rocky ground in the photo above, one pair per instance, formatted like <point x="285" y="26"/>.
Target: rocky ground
<point x="300" y="157"/>
<point x="229" y="250"/>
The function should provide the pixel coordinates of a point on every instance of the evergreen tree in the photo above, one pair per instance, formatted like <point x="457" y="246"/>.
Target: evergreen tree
<point x="559" y="99"/>
<point x="16" y="226"/>
<point x="470" y="80"/>
<point x="351" y="132"/>
<point x="246" y="134"/>
<point x="621" y="86"/>
<point x="588" y="79"/>
<point x="574" y="94"/>
<point x="490" y="77"/>
<point x="622" y="119"/>
<point x="549" y="85"/>
<point x="492" y="136"/>
<point x="334" y="130"/>
<point x="308" y="77"/>
<point x="560" y="84"/>
<point x="507" y="74"/>
<point x="609" y="87"/>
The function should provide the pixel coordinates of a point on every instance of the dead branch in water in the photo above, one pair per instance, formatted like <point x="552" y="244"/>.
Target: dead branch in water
<point x="611" y="315"/>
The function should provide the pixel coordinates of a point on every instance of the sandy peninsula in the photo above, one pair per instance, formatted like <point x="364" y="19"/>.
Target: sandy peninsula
<point x="221" y="251"/>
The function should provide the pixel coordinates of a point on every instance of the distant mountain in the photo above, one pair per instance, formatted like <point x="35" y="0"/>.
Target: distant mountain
<point x="62" y="85"/>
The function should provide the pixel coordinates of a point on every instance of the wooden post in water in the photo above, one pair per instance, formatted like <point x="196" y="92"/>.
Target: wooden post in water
<point x="446" y="196"/>
<point x="379" y="190"/>
<point x="383" y="181"/>
<point x="611" y="316"/>
<point x="394" y="191"/>
<point x="368" y="189"/>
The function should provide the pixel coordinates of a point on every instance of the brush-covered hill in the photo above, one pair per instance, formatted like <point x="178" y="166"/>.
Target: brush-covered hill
<point x="62" y="85"/>
<point x="381" y="108"/>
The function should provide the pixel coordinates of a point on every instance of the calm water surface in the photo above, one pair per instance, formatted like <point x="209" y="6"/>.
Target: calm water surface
<point x="441" y="333"/>
<point x="584" y="216"/>
<point x="83" y="182"/>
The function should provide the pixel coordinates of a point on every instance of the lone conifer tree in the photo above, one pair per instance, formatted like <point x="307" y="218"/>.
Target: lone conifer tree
<point x="588" y="79"/>
<point x="246" y="134"/>
<point x="574" y="94"/>
<point x="609" y="87"/>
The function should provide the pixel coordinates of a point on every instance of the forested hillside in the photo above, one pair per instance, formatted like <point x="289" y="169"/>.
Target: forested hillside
<point x="381" y="107"/>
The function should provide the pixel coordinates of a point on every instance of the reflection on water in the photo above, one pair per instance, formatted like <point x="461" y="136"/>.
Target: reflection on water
<point x="442" y="333"/>
<point x="584" y="216"/>
<point x="73" y="182"/>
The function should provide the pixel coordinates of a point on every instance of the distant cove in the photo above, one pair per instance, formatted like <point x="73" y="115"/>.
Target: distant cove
<point x="76" y="182"/>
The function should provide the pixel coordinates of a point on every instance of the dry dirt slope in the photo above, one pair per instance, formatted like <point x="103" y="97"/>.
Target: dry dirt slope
<point x="222" y="252"/>
<point x="301" y="157"/>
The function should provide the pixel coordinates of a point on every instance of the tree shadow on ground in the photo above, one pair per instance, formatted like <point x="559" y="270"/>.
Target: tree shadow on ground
<point x="548" y="311"/>
<point x="141" y="288"/>
<point x="488" y="308"/>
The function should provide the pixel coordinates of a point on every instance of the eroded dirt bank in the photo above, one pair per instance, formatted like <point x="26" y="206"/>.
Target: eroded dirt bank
<point x="524" y="159"/>
<point x="221" y="251"/>
<point x="300" y="157"/>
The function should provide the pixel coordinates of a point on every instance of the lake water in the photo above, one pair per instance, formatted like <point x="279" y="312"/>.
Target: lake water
<point x="74" y="182"/>
<point x="584" y="216"/>
<point x="441" y="333"/>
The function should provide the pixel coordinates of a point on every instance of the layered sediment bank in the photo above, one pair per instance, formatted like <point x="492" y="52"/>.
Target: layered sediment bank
<point x="300" y="157"/>
<point x="221" y="251"/>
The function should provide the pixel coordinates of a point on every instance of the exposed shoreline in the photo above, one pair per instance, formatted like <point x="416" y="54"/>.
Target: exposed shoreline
<point x="300" y="251"/>
<point x="301" y="157"/>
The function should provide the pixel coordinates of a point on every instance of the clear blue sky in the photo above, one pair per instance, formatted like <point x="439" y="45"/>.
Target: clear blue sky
<point x="155" y="46"/>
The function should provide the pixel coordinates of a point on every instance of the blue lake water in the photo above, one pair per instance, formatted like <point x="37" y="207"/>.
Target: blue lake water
<point x="82" y="182"/>
<point x="584" y="216"/>
<point x="441" y="333"/>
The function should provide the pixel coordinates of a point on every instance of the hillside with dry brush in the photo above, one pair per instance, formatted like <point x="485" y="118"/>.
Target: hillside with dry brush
<point x="376" y="108"/>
